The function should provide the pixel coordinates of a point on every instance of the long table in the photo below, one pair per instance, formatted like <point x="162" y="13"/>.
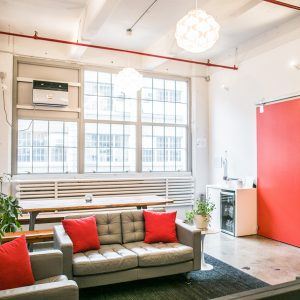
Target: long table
<point x="34" y="207"/>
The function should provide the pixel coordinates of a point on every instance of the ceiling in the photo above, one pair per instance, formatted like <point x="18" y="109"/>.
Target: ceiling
<point x="105" y="22"/>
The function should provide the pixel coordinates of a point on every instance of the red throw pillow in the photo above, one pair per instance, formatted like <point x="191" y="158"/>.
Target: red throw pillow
<point x="160" y="227"/>
<point x="83" y="233"/>
<point x="15" y="266"/>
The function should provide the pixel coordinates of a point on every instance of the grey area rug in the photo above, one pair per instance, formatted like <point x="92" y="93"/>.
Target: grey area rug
<point x="222" y="280"/>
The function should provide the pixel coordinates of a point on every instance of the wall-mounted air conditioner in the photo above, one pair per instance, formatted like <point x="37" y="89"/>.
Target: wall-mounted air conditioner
<point x="48" y="93"/>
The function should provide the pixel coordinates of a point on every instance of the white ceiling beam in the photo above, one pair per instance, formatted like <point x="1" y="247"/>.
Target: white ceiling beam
<point x="167" y="45"/>
<point x="91" y="20"/>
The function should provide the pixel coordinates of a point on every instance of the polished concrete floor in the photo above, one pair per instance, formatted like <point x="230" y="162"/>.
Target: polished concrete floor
<point x="268" y="260"/>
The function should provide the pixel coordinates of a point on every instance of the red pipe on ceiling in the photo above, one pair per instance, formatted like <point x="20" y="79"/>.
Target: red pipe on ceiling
<point x="288" y="5"/>
<point x="36" y="37"/>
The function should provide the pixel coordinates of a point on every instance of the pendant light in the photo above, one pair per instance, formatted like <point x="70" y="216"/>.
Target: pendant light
<point x="197" y="31"/>
<point x="129" y="81"/>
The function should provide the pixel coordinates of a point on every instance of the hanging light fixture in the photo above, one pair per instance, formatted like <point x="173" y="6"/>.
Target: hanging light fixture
<point x="197" y="31"/>
<point x="129" y="81"/>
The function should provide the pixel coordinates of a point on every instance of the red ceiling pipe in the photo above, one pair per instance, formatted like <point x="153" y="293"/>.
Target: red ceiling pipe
<point x="36" y="37"/>
<point x="288" y="5"/>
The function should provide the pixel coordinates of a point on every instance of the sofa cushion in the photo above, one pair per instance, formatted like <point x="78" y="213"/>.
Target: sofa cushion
<point x="133" y="227"/>
<point x="108" y="226"/>
<point x="15" y="265"/>
<point x="160" y="227"/>
<point x="83" y="233"/>
<point x="109" y="258"/>
<point x="158" y="254"/>
<point x="57" y="278"/>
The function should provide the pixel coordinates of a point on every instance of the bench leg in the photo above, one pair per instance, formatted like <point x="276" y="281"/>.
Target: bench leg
<point x="141" y="207"/>
<point x="32" y="220"/>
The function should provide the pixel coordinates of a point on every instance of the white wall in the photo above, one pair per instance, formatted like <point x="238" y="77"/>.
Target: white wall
<point x="232" y="116"/>
<point x="6" y="66"/>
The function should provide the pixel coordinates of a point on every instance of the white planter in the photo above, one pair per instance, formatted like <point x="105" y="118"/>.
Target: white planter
<point x="201" y="222"/>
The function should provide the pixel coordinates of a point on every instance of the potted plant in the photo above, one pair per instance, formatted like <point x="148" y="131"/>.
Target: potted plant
<point x="9" y="214"/>
<point x="201" y="214"/>
<point x="189" y="217"/>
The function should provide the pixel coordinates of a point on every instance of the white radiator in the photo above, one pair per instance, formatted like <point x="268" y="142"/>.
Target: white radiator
<point x="179" y="189"/>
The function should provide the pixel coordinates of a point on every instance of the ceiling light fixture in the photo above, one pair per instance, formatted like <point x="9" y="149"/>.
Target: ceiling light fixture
<point x="129" y="81"/>
<point x="197" y="31"/>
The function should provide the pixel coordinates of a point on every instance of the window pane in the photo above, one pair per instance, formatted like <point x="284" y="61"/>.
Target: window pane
<point x="129" y="160"/>
<point x="116" y="90"/>
<point x="90" y="88"/>
<point x="91" y="135"/>
<point x="129" y="136"/>
<point x="170" y="112"/>
<point x="70" y="137"/>
<point x="56" y="160"/>
<point x="56" y="134"/>
<point x="158" y="137"/>
<point x="103" y="160"/>
<point x="146" y="111"/>
<point x="181" y="113"/>
<point x="47" y="152"/>
<point x="90" y="160"/>
<point x="181" y="91"/>
<point x="24" y="160"/>
<point x="90" y="107"/>
<point x="117" y="113"/>
<point x="70" y="163"/>
<point x="130" y="110"/>
<point x="181" y="138"/>
<point x="40" y="133"/>
<point x="158" y="89"/>
<point x="117" y="160"/>
<point x="158" y="112"/>
<point x="117" y="136"/>
<point x="90" y="76"/>
<point x="104" y="108"/>
<point x="181" y="160"/>
<point x="40" y="159"/>
<point x="170" y="91"/>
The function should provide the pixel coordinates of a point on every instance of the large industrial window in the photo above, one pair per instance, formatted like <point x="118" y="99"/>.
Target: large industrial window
<point x="47" y="146"/>
<point x="164" y="117"/>
<point x="110" y="125"/>
<point x="124" y="134"/>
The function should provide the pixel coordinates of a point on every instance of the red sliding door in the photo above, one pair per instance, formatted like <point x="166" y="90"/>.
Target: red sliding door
<point x="278" y="157"/>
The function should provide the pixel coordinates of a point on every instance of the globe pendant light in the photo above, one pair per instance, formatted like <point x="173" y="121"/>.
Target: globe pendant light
<point x="197" y="31"/>
<point x="129" y="81"/>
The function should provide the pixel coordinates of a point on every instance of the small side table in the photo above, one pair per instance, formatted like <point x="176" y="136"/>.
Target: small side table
<point x="204" y="265"/>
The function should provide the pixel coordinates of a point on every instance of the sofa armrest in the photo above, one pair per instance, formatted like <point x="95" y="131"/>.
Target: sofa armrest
<point x="66" y="290"/>
<point x="190" y="236"/>
<point x="46" y="264"/>
<point x="63" y="243"/>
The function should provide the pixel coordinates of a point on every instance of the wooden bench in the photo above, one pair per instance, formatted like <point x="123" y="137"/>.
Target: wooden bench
<point x="34" y="236"/>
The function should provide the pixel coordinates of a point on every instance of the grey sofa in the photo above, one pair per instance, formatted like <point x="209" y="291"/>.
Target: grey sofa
<point x="123" y="256"/>
<point x="285" y="291"/>
<point x="50" y="283"/>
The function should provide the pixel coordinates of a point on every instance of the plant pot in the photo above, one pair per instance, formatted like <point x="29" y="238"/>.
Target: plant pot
<point x="201" y="222"/>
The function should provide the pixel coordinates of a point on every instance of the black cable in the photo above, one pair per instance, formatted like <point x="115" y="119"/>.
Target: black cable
<point x="148" y="8"/>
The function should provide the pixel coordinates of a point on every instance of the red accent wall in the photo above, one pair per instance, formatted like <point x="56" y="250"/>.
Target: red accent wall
<point x="278" y="156"/>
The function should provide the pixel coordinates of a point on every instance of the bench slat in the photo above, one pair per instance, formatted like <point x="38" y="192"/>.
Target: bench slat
<point x="33" y="236"/>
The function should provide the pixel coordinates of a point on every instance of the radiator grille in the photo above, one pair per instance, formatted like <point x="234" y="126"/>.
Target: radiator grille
<point x="179" y="189"/>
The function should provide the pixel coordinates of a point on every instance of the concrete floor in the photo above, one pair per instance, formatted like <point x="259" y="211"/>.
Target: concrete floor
<point x="268" y="260"/>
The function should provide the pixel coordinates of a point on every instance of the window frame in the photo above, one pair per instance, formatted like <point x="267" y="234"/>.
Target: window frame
<point x="139" y="123"/>
<point x="80" y="121"/>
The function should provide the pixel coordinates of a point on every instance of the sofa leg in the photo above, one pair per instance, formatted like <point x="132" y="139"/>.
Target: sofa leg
<point x="187" y="278"/>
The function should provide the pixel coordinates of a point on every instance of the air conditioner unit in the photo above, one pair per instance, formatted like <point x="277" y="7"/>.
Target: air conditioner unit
<point x="48" y="93"/>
